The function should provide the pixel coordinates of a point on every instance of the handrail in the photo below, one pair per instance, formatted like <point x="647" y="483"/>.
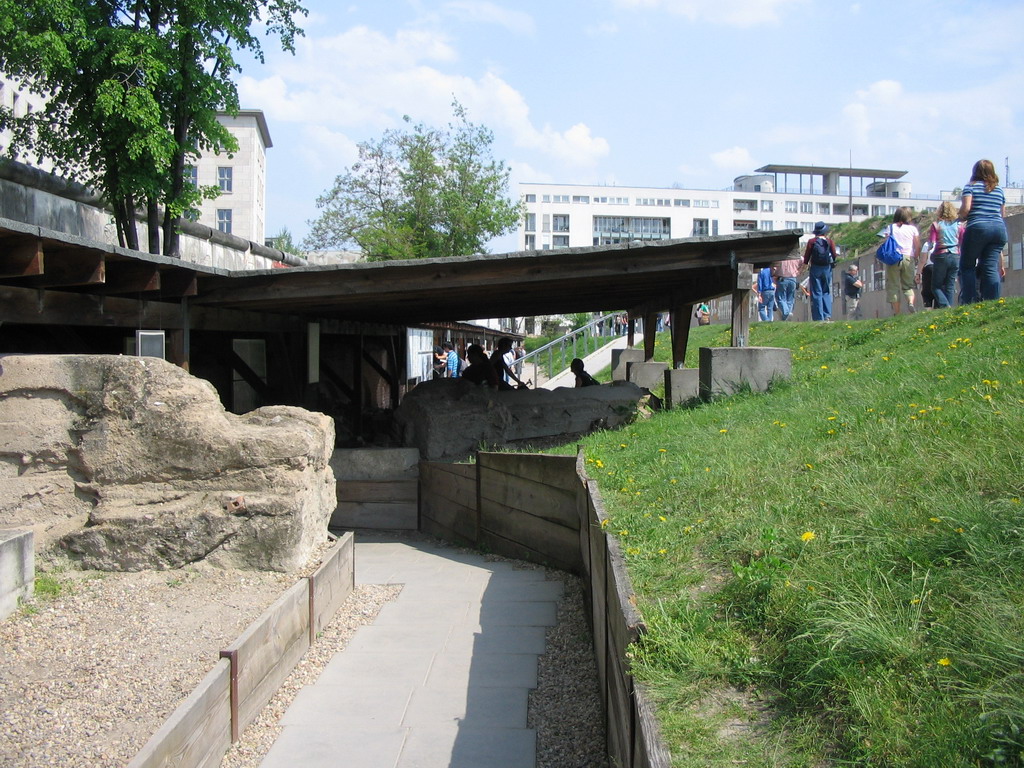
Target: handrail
<point x="585" y="335"/>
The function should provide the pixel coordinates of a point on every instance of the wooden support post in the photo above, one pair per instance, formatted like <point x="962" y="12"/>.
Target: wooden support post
<point x="741" y="305"/>
<point x="680" y="316"/>
<point x="180" y="341"/>
<point x="650" y="329"/>
<point x="630" y="331"/>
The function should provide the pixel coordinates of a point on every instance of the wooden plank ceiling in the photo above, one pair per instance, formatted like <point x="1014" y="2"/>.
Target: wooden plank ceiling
<point x="640" y="277"/>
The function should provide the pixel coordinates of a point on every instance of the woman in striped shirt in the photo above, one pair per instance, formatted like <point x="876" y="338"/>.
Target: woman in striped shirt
<point x="983" y="207"/>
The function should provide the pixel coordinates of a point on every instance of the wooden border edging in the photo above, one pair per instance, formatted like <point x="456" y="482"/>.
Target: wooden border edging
<point x="546" y="510"/>
<point x="251" y="669"/>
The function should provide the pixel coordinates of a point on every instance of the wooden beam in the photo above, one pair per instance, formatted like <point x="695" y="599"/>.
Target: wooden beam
<point x="21" y="257"/>
<point x="178" y="283"/>
<point x="129" y="277"/>
<point x="70" y="268"/>
<point x="680" y="318"/>
<point x="650" y="329"/>
<point x="741" y="305"/>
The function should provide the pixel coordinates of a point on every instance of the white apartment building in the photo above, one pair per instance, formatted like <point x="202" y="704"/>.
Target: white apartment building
<point x="772" y="198"/>
<point x="241" y="177"/>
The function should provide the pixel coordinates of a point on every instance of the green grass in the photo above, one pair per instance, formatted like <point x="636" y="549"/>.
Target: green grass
<point x="842" y="557"/>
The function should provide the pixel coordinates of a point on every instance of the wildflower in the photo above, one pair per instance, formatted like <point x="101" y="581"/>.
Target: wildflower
<point x="941" y="376"/>
<point x="809" y="466"/>
<point x="604" y="523"/>
<point x="935" y="519"/>
<point x="632" y="551"/>
<point x="622" y="445"/>
<point x="944" y="662"/>
<point x="663" y="450"/>
<point x="886" y="358"/>
<point x="807" y="536"/>
<point x="599" y="464"/>
<point x="831" y="418"/>
<point x="687" y="528"/>
<point x="662" y="518"/>
<point x="831" y="432"/>
<point x="915" y="601"/>
<point x="624" y="532"/>
<point x="662" y="551"/>
<point x="932" y="327"/>
<point x="824" y="367"/>
<point x="722" y="431"/>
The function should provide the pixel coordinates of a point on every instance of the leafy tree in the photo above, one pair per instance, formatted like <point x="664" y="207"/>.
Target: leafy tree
<point x="133" y="90"/>
<point x="284" y="241"/>
<point x="424" y="193"/>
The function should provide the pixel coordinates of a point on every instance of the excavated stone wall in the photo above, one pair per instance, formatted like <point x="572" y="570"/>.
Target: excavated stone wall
<point x="130" y="463"/>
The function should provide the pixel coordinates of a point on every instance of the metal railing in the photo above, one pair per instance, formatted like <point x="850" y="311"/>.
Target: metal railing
<point x="555" y="356"/>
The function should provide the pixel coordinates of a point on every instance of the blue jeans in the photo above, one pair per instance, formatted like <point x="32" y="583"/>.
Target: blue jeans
<point x="944" y="271"/>
<point x="785" y="289"/>
<point x="821" y="293"/>
<point x="984" y="241"/>
<point x="766" y="307"/>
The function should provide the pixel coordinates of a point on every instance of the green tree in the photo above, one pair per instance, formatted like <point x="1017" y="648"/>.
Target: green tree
<point x="420" y="193"/>
<point x="133" y="90"/>
<point x="284" y="241"/>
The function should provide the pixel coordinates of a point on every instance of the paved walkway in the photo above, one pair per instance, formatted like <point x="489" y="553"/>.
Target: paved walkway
<point x="594" y="362"/>
<point x="441" y="677"/>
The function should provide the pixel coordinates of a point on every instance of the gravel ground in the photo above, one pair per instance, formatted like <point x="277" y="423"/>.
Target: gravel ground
<point x="88" y="676"/>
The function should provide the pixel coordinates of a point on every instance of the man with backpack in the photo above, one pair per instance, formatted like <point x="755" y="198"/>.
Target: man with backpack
<point x="765" y="289"/>
<point x="820" y="256"/>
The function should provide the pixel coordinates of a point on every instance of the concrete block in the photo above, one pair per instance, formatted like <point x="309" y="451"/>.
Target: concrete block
<point x="375" y="463"/>
<point x="646" y="375"/>
<point x="17" y="568"/>
<point x="621" y="358"/>
<point x="726" y="370"/>
<point x="390" y="516"/>
<point x="681" y="384"/>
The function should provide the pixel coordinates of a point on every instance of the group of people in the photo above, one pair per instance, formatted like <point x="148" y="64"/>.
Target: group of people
<point x="497" y="371"/>
<point x="965" y="244"/>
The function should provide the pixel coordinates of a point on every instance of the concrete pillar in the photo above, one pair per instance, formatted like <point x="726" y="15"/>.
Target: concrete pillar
<point x="726" y="370"/>
<point x="621" y="359"/>
<point x="647" y="375"/>
<point x="17" y="568"/>
<point x="681" y="385"/>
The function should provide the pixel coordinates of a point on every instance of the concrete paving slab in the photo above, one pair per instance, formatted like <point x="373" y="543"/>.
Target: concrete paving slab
<point x="507" y="670"/>
<point x="498" y="589"/>
<point x="356" y="706"/>
<point x="384" y="668"/>
<point x="504" y="613"/>
<point x="480" y="707"/>
<point x="466" y="747"/>
<point x="472" y="638"/>
<point x="387" y="640"/>
<point x="428" y="610"/>
<point x="308" y="747"/>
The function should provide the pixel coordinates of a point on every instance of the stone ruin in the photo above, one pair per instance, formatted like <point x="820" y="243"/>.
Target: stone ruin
<point x="130" y="463"/>
<point x="449" y="419"/>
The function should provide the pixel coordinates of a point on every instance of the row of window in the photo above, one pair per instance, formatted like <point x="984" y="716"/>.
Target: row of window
<point x="225" y="177"/>
<point x="663" y="202"/>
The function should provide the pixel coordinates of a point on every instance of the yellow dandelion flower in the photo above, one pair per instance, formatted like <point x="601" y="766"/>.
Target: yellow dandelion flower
<point x="622" y="445"/>
<point x="941" y="376"/>
<point x="722" y="431"/>
<point x="687" y="528"/>
<point x="624" y="532"/>
<point x="944" y="662"/>
<point x="662" y="551"/>
<point x="935" y="519"/>
<point x="807" y="536"/>
<point x="824" y="367"/>
<point x="809" y="466"/>
<point x="599" y="464"/>
<point x="632" y="551"/>
<point x="663" y="450"/>
<point x="604" y="523"/>
<point x="932" y="327"/>
<point x="915" y="601"/>
<point x="959" y="530"/>
<point x="662" y="518"/>
<point x="831" y="432"/>
<point x="886" y="358"/>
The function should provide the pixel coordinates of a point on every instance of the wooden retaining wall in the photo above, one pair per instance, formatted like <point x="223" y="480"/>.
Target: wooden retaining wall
<point x="545" y="510"/>
<point x="251" y="669"/>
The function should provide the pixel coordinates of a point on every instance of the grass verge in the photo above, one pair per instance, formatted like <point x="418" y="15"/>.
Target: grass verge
<point x="832" y="572"/>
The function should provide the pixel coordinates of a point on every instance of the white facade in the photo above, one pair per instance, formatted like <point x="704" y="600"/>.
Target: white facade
<point x="571" y="216"/>
<point x="242" y="178"/>
<point x="21" y="103"/>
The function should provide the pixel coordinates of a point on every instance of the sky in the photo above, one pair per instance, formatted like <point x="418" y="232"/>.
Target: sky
<point x="659" y="93"/>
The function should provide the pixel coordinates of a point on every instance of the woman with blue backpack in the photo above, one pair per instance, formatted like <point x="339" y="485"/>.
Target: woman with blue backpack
<point x="901" y="276"/>
<point x="820" y="256"/>
<point x="983" y="207"/>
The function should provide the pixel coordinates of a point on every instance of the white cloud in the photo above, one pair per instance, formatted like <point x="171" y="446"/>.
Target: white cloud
<point x="733" y="159"/>
<point x="490" y="13"/>
<point x="739" y="13"/>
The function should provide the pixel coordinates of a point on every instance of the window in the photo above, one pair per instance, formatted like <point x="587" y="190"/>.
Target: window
<point x="714" y="203"/>
<point x="807" y="226"/>
<point x="560" y="198"/>
<point x="224" y="220"/>
<point x="714" y="227"/>
<point x="824" y="208"/>
<point x="681" y="203"/>
<point x="766" y="206"/>
<point x="560" y="241"/>
<point x="546" y="199"/>
<point x="560" y="222"/>
<point x="767" y="226"/>
<point x="546" y="222"/>
<point x="744" y="205"/>
<point x="757" y="187"/>
<point x="791" y="206"/>
<point x="609" y="230"/>
<point x="744" y="225"/>
<point x="531" y="242"/>
<point x="224" y="178"/>
<point x="531" y="198"/>
<point x="618" y="200"/>
<point x="792" y="225"/>
<point x="192" y="175"/>
<point x="645" y="201"/>
<point x="700" y="227"/>
<point x="878" y="210"/>
<point x="531" y="222"/>
<point x="581" y="198"/>
<point x="701" y="203"/>
<point x="600" y="199"/>
<point x="806" y="207"/>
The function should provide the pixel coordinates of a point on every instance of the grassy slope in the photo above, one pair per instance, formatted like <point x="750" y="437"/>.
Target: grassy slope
<point x="845" y="553"/>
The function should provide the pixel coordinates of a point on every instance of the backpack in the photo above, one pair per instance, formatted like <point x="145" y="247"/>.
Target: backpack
<point x="888" y="252"/>
<point x="821" y="253"/>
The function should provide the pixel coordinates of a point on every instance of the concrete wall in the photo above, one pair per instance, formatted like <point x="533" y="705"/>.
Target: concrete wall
<point x="377" y="488"/>
<point x="17" y="568"/>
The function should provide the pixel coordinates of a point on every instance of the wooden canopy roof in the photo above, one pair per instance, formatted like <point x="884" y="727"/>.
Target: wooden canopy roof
<point x="639" y="277"/>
